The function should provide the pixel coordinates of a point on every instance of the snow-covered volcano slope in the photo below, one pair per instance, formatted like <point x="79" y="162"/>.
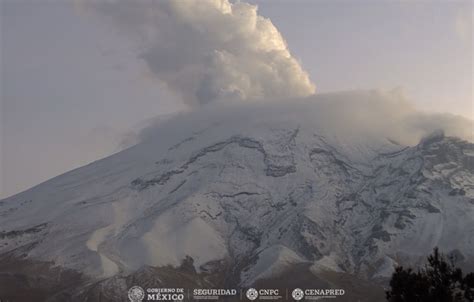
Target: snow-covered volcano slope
<point x="262" y="189"/>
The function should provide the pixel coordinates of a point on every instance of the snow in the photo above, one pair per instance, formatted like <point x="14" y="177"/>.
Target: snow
<point x="288" y="185"/>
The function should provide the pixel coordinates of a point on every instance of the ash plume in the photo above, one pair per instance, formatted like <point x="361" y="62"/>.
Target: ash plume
<point x="207" y="50"/>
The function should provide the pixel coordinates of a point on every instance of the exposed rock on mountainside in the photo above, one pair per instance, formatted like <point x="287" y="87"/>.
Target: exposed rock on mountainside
<point x="250" y="198"/>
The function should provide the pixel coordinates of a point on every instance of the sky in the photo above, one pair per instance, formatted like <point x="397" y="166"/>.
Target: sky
<point x="73" y="87"/>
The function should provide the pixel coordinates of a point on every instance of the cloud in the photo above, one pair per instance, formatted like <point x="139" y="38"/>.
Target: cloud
<point x="222" y="53"/>
<point x="206" y="50"/>
<point x="354" y="117"/>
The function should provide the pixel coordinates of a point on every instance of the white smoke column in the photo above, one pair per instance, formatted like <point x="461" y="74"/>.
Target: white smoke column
<point x="210" y="49"/>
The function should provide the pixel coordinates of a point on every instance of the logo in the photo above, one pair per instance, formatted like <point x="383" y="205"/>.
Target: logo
<point x="297" y="294"/>
<point x="136" y="294"/>
<point x="251" y="294"/>
<point x="321" y="293"/>
<point x="165" y="294"/>
<point x="213" y="293"/>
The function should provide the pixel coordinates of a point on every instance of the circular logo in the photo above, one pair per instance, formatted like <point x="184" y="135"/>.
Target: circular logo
<point x="251" y="294"/>
<point x="136" y="294"/>
<point x="297" y="294"/>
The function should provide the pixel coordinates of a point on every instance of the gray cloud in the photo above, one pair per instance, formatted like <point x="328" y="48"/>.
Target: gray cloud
<point x="206" y="50"/>
<point x="352" y="116"/>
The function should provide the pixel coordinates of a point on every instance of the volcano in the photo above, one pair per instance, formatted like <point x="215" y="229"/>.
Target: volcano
<point x="243" y="198"/>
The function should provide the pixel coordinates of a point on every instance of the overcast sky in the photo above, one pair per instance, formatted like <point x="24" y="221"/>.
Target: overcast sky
<point x="71" y="87"/>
